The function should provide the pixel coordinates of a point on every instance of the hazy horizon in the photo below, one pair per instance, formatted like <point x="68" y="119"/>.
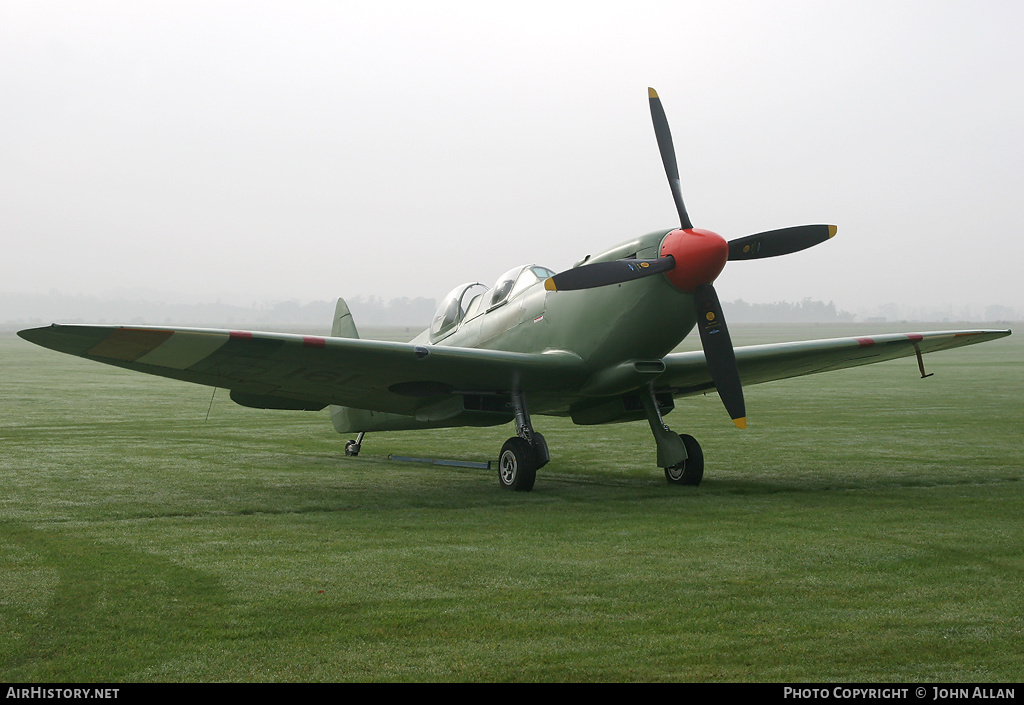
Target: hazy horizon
<point x="260" y="151"/>
<point x="144" y="307"/>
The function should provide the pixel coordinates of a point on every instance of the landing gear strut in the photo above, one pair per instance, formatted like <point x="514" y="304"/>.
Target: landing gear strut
<point x="523" y="454"/>
<point x="680" y="455"/>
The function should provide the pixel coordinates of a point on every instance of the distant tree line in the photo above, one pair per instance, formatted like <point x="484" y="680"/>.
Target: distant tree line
<point x="23" y="310"/>
<point x="806" y="311"/>
<point x="40" y="309"/>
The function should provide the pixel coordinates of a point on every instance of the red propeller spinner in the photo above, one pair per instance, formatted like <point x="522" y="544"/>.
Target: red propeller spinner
<point x="700" y="257"/>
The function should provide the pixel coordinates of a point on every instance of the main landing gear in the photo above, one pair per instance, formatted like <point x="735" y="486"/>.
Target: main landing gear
<point x="523" y="454"/>
<point x="680" y="455"/>
<point x="527" y="451"/>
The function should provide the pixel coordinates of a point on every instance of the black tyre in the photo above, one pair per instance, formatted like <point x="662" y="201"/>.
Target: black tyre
<point x="517" y="465"/>
<point x="540" y="450"/>
<point x="690" y="471"/>
<point x="351" y="448"/>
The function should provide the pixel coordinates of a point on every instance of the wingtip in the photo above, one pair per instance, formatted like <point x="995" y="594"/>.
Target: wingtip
<point x="33" y="335"/>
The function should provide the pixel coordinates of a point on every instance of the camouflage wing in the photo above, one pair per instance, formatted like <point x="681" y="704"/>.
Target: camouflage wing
<point x="687" y="373"/>
<point x="287" y="371"/>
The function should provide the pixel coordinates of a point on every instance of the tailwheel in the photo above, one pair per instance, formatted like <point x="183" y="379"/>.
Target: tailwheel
<point x="690" y="471"/>
<point x="517" y="465"/>
<point x="352" y="447"/>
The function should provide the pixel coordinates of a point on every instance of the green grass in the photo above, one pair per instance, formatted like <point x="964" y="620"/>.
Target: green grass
<point x="866" y="527"/>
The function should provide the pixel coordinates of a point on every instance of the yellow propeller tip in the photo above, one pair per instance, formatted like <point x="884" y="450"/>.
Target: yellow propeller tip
<point x="740" y="422"/>
<point x="549" y="284"/>
<point x="651" y="93"/>
<point x="832" y="231"/>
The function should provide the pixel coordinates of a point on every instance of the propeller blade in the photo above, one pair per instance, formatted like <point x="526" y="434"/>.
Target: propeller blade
<point x="779" y="242"/>
<point x="668" y="155"/>
<point x="714" y="336"/>
<point x="589" y="276"/>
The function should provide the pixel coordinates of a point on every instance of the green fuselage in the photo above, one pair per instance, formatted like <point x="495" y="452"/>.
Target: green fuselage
<point x="610" y="328"/>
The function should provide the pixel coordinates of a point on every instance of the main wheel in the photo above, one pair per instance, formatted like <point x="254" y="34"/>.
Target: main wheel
<point x="517" y="465"/>
<point x="690" y="471"/>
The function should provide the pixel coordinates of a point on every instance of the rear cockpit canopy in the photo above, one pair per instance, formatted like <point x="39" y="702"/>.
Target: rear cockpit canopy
<point x="455" y="308"/>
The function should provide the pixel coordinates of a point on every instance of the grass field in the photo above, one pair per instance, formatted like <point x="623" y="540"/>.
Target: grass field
<point x="867" y="526"/>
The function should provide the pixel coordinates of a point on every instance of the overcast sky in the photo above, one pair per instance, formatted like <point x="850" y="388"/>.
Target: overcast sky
<point x="255" y="151"/>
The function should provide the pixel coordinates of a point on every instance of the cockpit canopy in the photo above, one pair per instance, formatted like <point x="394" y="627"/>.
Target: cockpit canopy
<point x="454" y="307"/>
<point x="516" y="280"/>
<point x="470" y="299"/>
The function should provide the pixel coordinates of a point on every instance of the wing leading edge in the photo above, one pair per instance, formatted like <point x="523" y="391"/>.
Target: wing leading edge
<point x="686" y="373"/>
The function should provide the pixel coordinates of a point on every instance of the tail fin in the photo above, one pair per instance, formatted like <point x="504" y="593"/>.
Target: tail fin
<point x="343" y="326"/>
<point x="345" y="419"/>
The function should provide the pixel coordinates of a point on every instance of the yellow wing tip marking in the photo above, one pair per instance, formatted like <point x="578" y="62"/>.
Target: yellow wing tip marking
<point x="740" y="422"/>
<point x="651" y="93"/>
<point x="549" y="284"/>
<point x="832" y="231"/>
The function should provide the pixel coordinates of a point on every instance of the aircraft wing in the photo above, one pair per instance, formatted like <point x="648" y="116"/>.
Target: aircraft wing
<point x="287" y="371"/>
<point x="687" y="373"/>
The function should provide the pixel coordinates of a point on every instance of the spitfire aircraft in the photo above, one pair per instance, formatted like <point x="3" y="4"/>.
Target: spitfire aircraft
<point x="593" y="343"/>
